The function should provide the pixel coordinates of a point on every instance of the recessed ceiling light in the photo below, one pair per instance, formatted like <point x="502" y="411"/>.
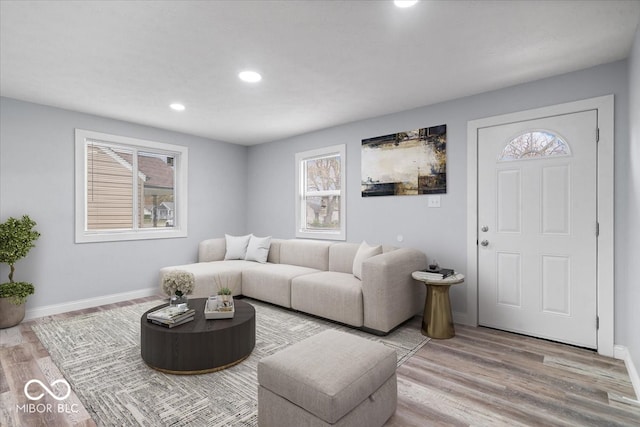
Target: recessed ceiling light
<point x="250" y="76"/>
<point x="405" y="3"/>
<point x="177" y="107"/>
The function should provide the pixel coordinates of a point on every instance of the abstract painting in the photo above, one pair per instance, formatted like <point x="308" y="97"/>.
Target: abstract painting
<point x="405" y="163"/>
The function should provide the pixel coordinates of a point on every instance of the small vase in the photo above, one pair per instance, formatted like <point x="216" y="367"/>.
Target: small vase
<point x="179" y="299"/>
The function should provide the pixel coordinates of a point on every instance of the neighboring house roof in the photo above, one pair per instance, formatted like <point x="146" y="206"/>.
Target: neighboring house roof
<point x="157" y="173"/>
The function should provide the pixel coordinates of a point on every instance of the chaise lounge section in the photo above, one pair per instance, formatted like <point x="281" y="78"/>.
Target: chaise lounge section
<point x="367" y="287"/>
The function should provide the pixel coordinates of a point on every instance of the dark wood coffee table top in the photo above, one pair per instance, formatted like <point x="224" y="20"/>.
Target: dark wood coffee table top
<point x="202" y="345"/>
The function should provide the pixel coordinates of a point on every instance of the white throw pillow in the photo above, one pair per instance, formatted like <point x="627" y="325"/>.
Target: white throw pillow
<point x="236" y="246"/>
<point x="364" y="251"/>
<point x="258" y="249"/>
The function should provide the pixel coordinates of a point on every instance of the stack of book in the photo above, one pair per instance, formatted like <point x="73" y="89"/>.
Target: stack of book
<point x="438" y="274"/>
<point x="171" y="316"/>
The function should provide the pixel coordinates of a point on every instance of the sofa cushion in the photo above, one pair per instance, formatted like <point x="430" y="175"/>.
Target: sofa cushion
<point x="212" y="250"/>
<point x="258" y="249"/>
<point x="274" y="251"/>
<point x="305" y="253"/>
<point x="236" y="246"/>
<point x="341" y="257"/>
<point x="274" y="410"/>
<point x="271" y="282"/>
<point x="329" y="294"/>
<point x="364" y="251"/>
<point x="207" y="274"/>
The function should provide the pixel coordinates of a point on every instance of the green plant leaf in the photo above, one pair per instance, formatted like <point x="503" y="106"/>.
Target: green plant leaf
<point x="17" y="292"/>
<point x="17" y="237"/>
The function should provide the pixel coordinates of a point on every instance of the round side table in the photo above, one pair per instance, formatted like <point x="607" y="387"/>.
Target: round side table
<point x="437" y="321"/>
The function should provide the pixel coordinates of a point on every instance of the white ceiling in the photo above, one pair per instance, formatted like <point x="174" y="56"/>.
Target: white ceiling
<point x="323" y="63"/>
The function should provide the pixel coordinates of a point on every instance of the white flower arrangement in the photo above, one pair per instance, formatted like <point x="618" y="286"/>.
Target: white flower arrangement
<point x="178" y="282"/>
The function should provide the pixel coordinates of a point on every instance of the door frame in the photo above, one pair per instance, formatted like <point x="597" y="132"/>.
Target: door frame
<point x="605" y="217"/>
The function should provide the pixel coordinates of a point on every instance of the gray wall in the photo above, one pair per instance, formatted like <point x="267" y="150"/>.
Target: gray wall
<point x="628" y="281"/>
<point x="233" y="189"/>
<point x="37" y="178"/>
<point x="439" y="232"/>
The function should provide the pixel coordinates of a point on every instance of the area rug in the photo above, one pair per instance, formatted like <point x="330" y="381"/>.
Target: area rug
<point x="99" y="355"/>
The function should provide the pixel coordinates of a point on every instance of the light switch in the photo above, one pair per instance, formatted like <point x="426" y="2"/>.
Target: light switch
<point x="433" y="201"/>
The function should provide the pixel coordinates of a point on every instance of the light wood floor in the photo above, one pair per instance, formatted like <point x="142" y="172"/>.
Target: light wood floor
<point x="479" y="377"/>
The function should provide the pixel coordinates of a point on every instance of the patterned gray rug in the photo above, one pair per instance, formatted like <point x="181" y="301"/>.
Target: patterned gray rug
<point x="99" y="355"/>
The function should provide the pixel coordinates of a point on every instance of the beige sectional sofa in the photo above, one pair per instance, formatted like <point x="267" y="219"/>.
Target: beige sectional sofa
<point x="317" y="277"/>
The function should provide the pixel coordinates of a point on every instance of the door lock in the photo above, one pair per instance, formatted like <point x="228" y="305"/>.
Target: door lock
<point x="485" y="228"/>
<point x="485" y="243"/>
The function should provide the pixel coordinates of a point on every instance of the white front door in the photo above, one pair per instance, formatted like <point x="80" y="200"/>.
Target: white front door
<point x="537" y="227"/>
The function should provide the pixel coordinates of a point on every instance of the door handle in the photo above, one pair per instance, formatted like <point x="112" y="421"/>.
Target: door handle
<point x="485" y="243"/>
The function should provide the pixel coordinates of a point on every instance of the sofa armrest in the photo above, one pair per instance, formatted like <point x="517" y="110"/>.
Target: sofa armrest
<point x="212" y="250"/>
<point x="390" y="294"/>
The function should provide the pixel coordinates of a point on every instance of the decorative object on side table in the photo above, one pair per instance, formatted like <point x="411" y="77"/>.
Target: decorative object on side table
<point x="16" y="240"/>
<point x="437" y="320"/>
<point x="435" y="274"/>
<point x="177" y="285"/>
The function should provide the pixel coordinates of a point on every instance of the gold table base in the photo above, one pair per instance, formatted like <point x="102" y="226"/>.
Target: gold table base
<point x="437" y="321"/>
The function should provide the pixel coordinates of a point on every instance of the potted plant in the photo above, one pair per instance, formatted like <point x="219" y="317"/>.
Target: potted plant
<point x="17" y="237"/>
<point x="225" y="290"/>
<point x="225" y="294"/>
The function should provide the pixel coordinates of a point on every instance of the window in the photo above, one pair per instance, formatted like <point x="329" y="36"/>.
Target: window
<point x="129" y="189"/>
<point x="320" y="196"/>
<point x="534" y="144"/>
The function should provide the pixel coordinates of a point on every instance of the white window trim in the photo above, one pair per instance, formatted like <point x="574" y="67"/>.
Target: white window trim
<point x="301" y="231"/>
<point x="83" y="235"/>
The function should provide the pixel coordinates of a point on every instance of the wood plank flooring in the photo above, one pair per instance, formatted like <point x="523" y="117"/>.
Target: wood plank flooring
<point x="488" y="377"/>
<point x="481" y="377"/>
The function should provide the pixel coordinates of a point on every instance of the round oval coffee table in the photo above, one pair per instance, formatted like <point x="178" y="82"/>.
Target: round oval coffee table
<point x="202" y="345"/>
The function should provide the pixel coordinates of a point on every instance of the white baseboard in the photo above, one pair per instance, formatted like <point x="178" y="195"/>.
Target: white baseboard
<point x="621" y="352"/>
<point x="463" y="319"/>
<point x="49" y="310"/>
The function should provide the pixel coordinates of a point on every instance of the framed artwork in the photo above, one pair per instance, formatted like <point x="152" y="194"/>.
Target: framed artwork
<point x="405" y="163"/>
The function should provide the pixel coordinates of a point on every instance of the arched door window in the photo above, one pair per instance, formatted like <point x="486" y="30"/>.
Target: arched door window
<point x="534" y="144"/>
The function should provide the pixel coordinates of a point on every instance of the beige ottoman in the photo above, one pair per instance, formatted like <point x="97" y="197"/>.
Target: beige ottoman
<point x="330" y="379"/>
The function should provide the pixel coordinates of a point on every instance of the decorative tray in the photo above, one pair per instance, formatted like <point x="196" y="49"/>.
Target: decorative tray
<point x="214" y="309"/>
